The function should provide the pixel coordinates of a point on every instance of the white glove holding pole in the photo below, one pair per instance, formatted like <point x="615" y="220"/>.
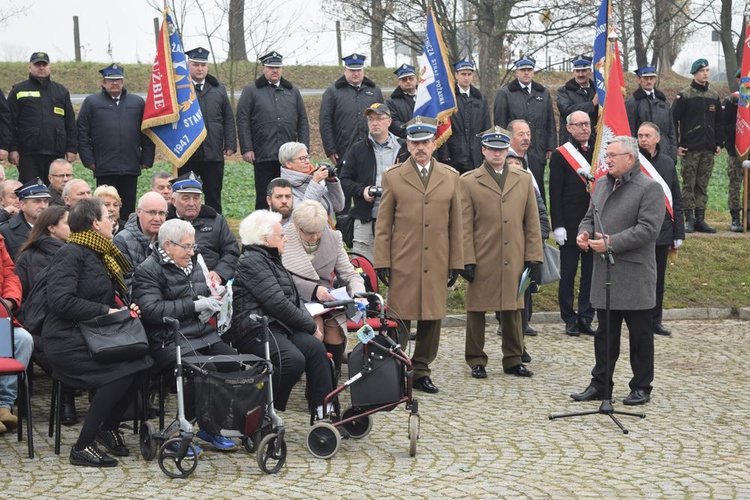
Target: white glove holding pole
<point x="561" y="234"/>
<point x="676" y="244"/>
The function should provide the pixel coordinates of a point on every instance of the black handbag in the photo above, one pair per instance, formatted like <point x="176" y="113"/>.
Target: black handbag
<point x="345" y="224"/>
<point x="115" y="337"/>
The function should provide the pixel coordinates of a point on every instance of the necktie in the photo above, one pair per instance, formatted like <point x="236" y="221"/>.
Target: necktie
<point x="424" y="174"/>
<point x="528" y="90"/>
<point x="617" y="184"/>
<point x="584" y="148"/>
<point x="117" y="101"/>
<point x="199" y="87"/>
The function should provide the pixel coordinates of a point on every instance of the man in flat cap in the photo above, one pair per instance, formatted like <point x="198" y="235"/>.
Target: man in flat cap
<point x="401" y="102"/>
<point x="221" y="134"/>
<point x="33" y="197"/>
<point x="491" y="194"/>
<point x="735" y="172"/>
<point x="462" y="150"/>
<point x="578" y="94"/>
<point x="43" y="125"/>
<point x="649" y="104"/>
<point x="418" y="242"/>
<point x="700" y="135"/>
<point x="270" y="113"/>
<point x="529" y="100"/>
<point x="110" y="141"/>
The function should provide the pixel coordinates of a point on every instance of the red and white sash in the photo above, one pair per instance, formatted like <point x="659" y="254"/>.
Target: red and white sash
<point x="649" y="170"/>
<point x="575" y="159"/>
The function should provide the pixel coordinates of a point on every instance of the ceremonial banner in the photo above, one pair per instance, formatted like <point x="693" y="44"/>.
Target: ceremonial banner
<point x="742" y="137"/>
<point x="172" y="117"/>
<point x="600" y="51"/>
<point x="436" y="97"/>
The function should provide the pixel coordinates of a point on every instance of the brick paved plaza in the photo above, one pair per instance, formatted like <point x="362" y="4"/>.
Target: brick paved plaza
<point x="479" y="438"/>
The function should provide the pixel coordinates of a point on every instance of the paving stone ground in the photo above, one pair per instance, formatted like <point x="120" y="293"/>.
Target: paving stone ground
<point x="479" y="438"/>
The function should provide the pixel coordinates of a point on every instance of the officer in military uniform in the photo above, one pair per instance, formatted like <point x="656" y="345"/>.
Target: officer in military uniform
<point x="34" y="198"/>
<point x="401" y="102"/>
<point x="649" y="104"/>
<point x="43" y="123"/>
<point x="221" y="135"/>
<point x="698" y="122"/>
<point x="734" y="163"/>
<point x="270" y="113"/>
<point x="578" y="94"/>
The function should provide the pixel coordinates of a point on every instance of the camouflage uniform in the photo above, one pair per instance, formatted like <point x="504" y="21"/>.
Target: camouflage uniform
<point x="697" y="167"/>
<point x="734" y="164"/>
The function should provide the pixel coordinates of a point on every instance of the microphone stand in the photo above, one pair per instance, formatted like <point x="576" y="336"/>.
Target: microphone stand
<point x="606" y="407"/>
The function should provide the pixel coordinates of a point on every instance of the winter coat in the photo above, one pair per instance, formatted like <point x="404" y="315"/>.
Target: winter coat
<point x="43" y="119"/>
<point x="641" y="108"/>
<point x="490" y="216"/>
<point x="568" y="198"/>
<point x="418" y="236"/>
<point x="730" y="123"/>
<point x="78" y="288"/>
<point x="402" y="110"/>
<point x="697" y="117"/>
<point x="572" y="97"/>
<point x="135" y="245"/>
<point x="512" y="103"/>
<point x="269" y="116"/>
<point x="10" y="285"/>
<point x="218" y="117"/>
<point x="342" y="122"/>
<point x="5" y="123"/>
<point x="670" y="230"/>
<point x="109" y="135"/>
<point x="632" y="217"/>
<point x="264" y="287"/>
<point x="329" y="194"/>
<point x="463" y="149"/>
<point x="15" y="232"/>
<point x="36" y="257"/>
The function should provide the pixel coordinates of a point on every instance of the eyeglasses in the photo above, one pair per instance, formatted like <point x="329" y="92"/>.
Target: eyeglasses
<point x="377" y="118"/>
<point x="611" y="156"/>
<point x="303" y="158"/>
<point x="581" y="124"/>
<point x="155" y="213"/>
<point x="111" y="217"/>
<point x="187" y="248"/>
<point x="61" y="175"/>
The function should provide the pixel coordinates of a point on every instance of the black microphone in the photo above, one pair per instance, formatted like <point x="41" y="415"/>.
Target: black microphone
<point x="585" y="175"/>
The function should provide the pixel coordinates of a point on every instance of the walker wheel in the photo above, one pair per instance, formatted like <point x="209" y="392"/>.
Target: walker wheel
<point x="413" y="433"/>
<point x="271" y="453"/>
<point x="323" y="440"/>
<point x="250" y="443"/>
<point x="149" y="445"/>
<point x="358" y="428"/>
<point x="174" y="465"/>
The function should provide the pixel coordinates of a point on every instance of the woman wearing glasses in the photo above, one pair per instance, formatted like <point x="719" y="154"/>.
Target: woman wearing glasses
<point x="308" y="182"/>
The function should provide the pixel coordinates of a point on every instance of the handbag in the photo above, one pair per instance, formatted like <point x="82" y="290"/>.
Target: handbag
<point x="550" y="268"/>
<point x="345" y="224"/>
<point x="115" y="337"/>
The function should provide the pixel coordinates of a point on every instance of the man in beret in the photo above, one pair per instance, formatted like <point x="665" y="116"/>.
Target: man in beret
<point x="33" y="197"/>
<point x="110" y="141"/>
<point x="418" y="242"/>
<point x="221" y="134"/>
<point x="649" y="104"/>
<point x="270" y="113"/>
<point x="463" y="149"/>
<point x="700" y="135"/>
<point x="43" y="125"/>
<point x="401" y="102"/>
<point x="578" y="94"/>
<point x="735" y="172"/>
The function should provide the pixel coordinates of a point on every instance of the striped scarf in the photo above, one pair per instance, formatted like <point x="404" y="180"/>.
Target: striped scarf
<point x="115" y="262"/>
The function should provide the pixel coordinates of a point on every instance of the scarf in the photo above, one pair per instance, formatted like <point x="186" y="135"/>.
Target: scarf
<point x="115" y="262"/>
<point x="166" y="258"/>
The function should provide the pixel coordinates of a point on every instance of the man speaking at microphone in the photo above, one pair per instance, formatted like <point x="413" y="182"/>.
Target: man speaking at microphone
<point x="569" y="201"/>
<point x="632" y="207"/>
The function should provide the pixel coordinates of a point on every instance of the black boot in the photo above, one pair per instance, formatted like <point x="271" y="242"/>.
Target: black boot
<point x="689" y="221"/>
<point x="337" y="352"/>
<point x="700" y="222"/>
<point x="736" y="226"/>
<point x="68" y="415"/>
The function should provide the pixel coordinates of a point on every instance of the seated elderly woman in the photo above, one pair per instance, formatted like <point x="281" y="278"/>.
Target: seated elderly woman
<point x="309" y="182"/>
<point x="262" y="286"/>
<point x="81" y="284"/>
<point x="170" y="283"/>
<point x="316" y="258"/>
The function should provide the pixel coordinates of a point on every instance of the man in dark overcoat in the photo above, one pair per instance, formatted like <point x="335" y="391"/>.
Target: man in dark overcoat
<point x="578" y="94"/>
<point x="401" y="102"/>
<point x="649" y="104"/>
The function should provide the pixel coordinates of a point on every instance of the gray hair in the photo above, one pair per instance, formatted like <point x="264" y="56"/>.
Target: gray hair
<point x="653" y="126"/>
<point x="175" y="230"/>
<point x="310" y="216"/>
<point x="69" y="186"/>
<point x="513" y="123"/>
<point x="159" y="175"/>
<point x="629" y="144"/>
<point x="8" y="185"/>
<point x="59" y="161"/>
<point x="569" y="118"/>
<point x="288" y="150"/>
<point x="256" y="227"/>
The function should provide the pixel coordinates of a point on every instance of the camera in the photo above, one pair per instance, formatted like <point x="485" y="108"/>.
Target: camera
<point x="375" y="191"/>
<point x="331" y="169"/>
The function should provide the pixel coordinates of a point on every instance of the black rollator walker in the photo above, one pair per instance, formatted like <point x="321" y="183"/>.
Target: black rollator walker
<point x="238" y="404"/>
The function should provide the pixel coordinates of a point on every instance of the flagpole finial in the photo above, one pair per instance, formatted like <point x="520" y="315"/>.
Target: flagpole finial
<point x="613" y="36"/>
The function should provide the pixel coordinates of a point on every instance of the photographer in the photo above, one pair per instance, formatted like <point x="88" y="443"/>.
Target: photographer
<point x="308" y="181"/>
<point x="361" y="171"/>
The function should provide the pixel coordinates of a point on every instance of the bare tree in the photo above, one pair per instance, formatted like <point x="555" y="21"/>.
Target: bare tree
<point x="178" y="8"/>
<point x="237" y="50"/>
<point x="14" y="10"/>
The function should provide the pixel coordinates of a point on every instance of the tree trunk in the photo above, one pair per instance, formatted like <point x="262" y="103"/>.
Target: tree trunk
<point x="662" y="49"/>
<point x="492" y="23"/>
<point x="727" y="45"/>
<point x="376" y="33"/>
<point x="237" y="51"/>
<point x="636" y="8"/>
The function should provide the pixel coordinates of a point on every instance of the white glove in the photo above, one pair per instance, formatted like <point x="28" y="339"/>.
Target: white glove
<point x="206" y="315"/>
<point x="211" y="304"/>
<point x="561" y="234"/>
<point x="677" y="244"/>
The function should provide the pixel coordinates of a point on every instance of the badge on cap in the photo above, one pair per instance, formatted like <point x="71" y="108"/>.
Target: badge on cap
<point x="272" y="60"/>
<point x="421" y="128"/>
<point x="581" y="62"/>
<point x="495" y="138"/>
<point x="198" y="54"/>
<point x="112" y="72"/>
<point x="187" y="183"/>
<point x="464" y="64"/>
<point x="405" y="70"/>
<point x="525" y="62"/>
<point x="34" y="188"/>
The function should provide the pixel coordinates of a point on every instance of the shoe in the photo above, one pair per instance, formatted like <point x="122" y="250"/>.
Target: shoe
<point x="221" y="443"/>
<point x="660" y="330"/>
<point x="530" y="332"/>
<point x="8" y="420"/>
<point x="637" y="397"/>
<point x="689" y="221"/>
<point x="525" y="357"/>
<point x="519" y="371"/>
<point x="585" y="326"/>
<point x="424" y="384"/>
<point x="478" y="371"/>
<point x="591" y="393"/>
<point x="112" y="440"/>
<point x="91" y="456"/>
<point x="68" y="415"/>
<point x="736" y="226"/>
<point x="701" y="226"/>
<point x="572" y="329"/>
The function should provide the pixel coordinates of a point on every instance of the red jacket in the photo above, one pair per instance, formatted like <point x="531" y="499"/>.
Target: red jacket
<point x="10" y="284"/>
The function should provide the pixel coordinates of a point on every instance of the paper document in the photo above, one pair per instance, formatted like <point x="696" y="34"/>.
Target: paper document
<point x="524" y="283"/>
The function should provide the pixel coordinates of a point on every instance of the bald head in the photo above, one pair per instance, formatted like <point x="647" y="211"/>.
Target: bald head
<point x="151" y="212"/>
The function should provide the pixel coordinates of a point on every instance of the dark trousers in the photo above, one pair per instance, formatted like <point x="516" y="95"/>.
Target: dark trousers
<point x="641" y="348"/>
<point x="212" y="177"/>
<point x="512" y="343"/>
<point x="662" y="251"/>
<point x="426" y="346"/>
<point x="127" y="187"/>
<point x="31" y="166"/>
<point x="265" y="172"/>
<point x="569" y="256"/>
<point x="292" y="355"/>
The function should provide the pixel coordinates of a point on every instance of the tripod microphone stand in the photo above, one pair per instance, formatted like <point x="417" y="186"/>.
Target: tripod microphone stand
<point x="606" y="407"/>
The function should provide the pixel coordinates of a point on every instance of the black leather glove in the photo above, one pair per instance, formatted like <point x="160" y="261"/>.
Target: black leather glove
<point x="453" y="276"/>
<point x="469" y="272"/>
<point x="533" y="266"/>
<point x="384" y="275"/>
